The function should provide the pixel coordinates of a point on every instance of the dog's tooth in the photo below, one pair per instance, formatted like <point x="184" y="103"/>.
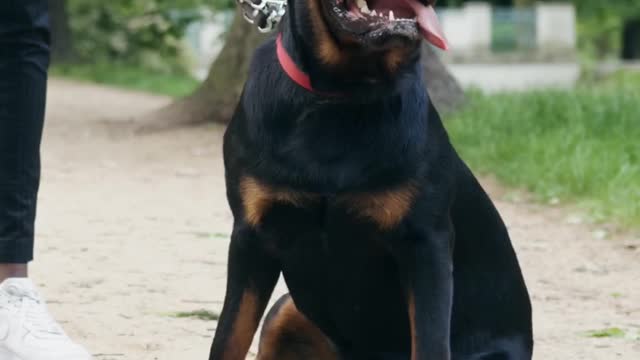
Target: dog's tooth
<point x="391" y="17"/>
<point x="373" y="13"/>
<point x="362" y="5"/>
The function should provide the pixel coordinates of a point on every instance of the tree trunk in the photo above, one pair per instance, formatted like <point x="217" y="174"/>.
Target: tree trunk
<point x="631" y="40"/>
<point x="61" y="37"/>
<point x="217" y="97"/>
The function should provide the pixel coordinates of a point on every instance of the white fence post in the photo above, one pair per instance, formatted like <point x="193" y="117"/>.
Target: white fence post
<point x="555" y="26"/>
<point x="479" y="18"/>
<point x="468" y="28"/>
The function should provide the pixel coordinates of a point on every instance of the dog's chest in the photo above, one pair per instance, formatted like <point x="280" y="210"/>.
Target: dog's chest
<point x="334" y="244"/>
<point x="381" y="210"/>
<point x="335" y="258"/>
<point x="338" y="151"/>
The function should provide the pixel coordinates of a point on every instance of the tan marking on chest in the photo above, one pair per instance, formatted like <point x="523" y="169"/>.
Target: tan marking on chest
<point x="258" y="198"/>
<point x="386" y="208"/>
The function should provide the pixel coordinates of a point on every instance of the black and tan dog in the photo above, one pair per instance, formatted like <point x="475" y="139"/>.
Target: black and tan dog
<point x="341" y="177"/>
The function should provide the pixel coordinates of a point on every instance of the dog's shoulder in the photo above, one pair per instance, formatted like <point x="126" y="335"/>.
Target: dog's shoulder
<point x="264" y="69"/>
<point x="264" y="55"/>
<point x="269" y="94"/>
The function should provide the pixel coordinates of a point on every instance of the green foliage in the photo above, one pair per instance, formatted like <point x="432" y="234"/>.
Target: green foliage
<point x="600" y="25"/>
<point x="580" y="146"/>
<point x="221" y="4"/>
<point x="597" y="8"/>
<point x="198" y="314"/>
<point x="130" y="77"/>
<point x="146" y="33"/>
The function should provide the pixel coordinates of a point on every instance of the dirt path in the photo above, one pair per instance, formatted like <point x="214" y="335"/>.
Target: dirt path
<point x="134" y="229"/>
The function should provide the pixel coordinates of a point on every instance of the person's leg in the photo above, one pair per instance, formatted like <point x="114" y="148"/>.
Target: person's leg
<point x="24" y="59"/>
<point x="28" y="331"/>
<point x="13" y="271"/>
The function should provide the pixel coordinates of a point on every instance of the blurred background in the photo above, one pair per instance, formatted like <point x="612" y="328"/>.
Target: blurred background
<point x="193" y="50"/>
<point x="539" y="97"/>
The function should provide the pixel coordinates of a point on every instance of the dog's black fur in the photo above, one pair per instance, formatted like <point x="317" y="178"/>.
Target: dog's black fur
<point x="388" y="244"/>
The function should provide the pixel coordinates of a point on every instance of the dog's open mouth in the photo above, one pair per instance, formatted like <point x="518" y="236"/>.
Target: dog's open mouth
<point x="380" y="21"/>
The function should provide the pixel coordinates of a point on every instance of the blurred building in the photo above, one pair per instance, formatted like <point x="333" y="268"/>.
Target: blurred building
<point x="479" y="31"/>
<point x="502" y="47"/>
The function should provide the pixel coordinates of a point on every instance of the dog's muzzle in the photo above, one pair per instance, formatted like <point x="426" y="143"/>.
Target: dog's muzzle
<point x="264" y="14"/>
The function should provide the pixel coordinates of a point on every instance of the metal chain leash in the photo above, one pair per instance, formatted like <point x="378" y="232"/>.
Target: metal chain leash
<point x="264" y="14"/>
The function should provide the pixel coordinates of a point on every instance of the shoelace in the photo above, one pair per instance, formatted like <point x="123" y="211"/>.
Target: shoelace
<point x="36" y="315"/>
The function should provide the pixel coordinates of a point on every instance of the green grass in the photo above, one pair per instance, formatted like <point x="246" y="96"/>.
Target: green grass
<point x="607" y="333"/>
<point x="176" y="85"/>
<point x="581" y="146"/>
<point x="198" y="314"/>
<point x="622" y="79"/>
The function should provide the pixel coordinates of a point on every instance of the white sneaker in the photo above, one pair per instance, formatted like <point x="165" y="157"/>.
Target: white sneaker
<point x="27" y="331"/>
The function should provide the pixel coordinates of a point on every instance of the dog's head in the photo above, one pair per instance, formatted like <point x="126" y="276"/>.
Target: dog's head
<point x="365" y="40"/>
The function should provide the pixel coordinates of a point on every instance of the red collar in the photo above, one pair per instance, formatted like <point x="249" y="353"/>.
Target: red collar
<point x="293" y="71"/>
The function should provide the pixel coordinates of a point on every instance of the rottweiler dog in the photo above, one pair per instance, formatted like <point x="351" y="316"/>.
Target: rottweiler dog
<point x="341" y="177"/>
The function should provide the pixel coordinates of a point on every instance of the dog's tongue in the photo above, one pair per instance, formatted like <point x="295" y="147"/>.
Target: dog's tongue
<point x="429" y="25"/>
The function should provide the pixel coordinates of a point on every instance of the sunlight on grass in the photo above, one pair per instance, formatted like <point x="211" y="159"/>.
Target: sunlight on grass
<point x="581" y="146"/>
<point x="175" y="85"/>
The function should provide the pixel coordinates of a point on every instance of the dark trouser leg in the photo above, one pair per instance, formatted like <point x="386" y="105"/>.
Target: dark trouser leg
<point x="24" y="59"/>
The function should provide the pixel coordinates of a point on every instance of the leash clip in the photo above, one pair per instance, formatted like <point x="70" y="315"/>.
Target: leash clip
<point x="265" y="14"/>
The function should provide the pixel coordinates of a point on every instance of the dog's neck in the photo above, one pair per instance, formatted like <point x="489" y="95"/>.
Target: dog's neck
<point x="324" y="81"/>
<point x="304" y="58"/>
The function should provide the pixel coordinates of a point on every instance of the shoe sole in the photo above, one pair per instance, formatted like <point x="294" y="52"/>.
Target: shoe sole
<point x="8" y="355"/>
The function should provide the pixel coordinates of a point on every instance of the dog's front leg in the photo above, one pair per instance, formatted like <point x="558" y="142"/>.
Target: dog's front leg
<point x="251" y="276"/>
<point x="426" y="267"/>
